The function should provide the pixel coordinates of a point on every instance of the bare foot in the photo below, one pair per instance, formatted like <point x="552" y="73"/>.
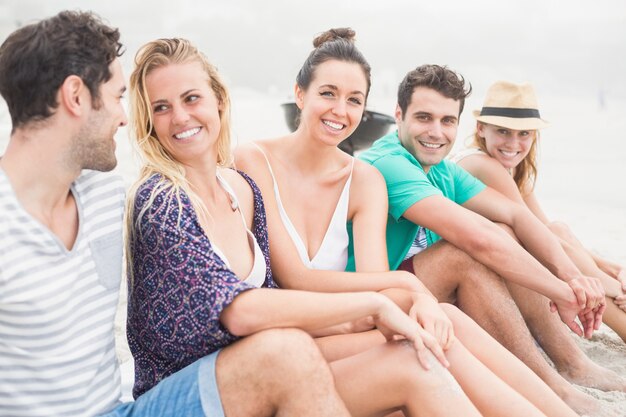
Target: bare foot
<point x="595" y="376"/>
<point x="581" y="403"/>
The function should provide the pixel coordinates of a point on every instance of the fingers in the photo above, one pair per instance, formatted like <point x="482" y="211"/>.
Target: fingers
<point x="598" y="316"/>
<point x="428" y="342"/>
<point x="449" y="338"/>
<point x="575" y="328"/>
<point x="588" y="319"/>
<point x="581" y="296"/>
<point x="620" y="301"/>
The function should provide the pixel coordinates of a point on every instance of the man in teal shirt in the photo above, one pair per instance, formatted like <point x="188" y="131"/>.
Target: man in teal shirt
<point x="408" y="183"/>
<point x="442" y="226"/>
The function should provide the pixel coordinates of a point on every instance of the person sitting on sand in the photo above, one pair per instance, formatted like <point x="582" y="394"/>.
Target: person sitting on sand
<point x="201" y="287"/>
<point x="312" y="190"/>
<point x="503" y="156"/>
<point x="61" y="249"/>
<point x="441" y="226"/>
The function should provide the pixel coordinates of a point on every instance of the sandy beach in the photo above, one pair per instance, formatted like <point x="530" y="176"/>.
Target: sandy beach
<point x="575" y="186"/>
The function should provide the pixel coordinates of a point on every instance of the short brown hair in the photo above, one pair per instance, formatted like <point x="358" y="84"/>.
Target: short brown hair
<point x="440" y="78"/>
<point x="36" y="59"/>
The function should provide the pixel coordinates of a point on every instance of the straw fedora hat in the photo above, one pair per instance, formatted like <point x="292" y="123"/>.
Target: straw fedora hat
<point x="511" y="105"/>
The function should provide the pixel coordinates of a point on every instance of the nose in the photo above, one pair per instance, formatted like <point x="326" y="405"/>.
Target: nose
<point x="179" y="115"/>
<point x="435" y="130"/>
<point x="339" y="109"/>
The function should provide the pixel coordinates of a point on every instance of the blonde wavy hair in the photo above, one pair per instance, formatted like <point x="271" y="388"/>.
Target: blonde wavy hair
<point x="155" y="159"/>
<point x="526" y="171"/>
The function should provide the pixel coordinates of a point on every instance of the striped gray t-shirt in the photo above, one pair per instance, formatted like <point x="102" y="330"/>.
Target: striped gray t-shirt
<point x="57" y="347"/>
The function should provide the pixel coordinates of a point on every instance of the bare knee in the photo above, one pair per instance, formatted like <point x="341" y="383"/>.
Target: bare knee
<point x="448" y="254"/>
<point x="452" y="311"/>
<point x="411" y="375"/>
<point x="275" y="368"/>
<point x="288" y="351"/>
<point x="560" y="229"/>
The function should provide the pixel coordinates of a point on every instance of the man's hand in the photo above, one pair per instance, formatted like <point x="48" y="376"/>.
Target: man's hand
<point x="427" y="312"/>
<point x="588" y="306"/>
<point x="589" y="292"/>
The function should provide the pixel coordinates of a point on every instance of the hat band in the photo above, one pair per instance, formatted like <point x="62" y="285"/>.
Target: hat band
<point x="510" y="112"/>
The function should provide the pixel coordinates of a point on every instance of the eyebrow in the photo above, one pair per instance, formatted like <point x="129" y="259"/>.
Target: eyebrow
<point x="334" y="87"/>
<point x="425" y="113"/>
<point x="162" y="100"/>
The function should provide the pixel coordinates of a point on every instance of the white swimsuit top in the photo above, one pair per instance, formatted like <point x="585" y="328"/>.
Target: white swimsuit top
<point x="332" y="254"/>
<point x="256" y="276"/>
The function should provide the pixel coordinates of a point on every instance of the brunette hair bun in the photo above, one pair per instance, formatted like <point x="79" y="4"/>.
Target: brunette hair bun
<point x="334" y="34"/>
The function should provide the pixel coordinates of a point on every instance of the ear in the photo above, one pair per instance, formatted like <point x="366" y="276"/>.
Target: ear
<point x="480" y="129"/>
<point x="398" y="114"/>
<point x="73" y="95"/>
<point x="299" y="94"/>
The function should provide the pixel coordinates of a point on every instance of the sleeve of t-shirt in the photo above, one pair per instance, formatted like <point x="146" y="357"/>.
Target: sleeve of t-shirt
<point x="406" y="183"/>
<point x="466" y="185"/>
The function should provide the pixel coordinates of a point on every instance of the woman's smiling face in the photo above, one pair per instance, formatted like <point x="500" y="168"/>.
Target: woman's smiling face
<point x="185" y="110"/>
<point x="507" y="146"/>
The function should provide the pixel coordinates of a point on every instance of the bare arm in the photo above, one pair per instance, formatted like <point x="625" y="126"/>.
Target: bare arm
<point x="493" y="174"/>
<point x="310" y="311"/>
<point x="485" y="242"/>
<point x="493" y="247"/>
<point x="533" y="235"/>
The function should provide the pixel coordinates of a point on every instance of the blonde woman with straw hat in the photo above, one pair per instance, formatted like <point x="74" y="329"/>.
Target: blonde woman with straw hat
<point x="504" y="156"/>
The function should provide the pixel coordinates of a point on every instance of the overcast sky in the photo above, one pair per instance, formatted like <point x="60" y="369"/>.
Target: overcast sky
<point x="563" y="47"/>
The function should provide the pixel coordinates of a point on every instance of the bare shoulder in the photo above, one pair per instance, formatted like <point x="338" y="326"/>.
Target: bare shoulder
<point x="366" y="176"/>
<point x="483" y="167"/>
<point x="246" y="155"/>
<point x="367" y="184"/>
<point x="239" y="184"/>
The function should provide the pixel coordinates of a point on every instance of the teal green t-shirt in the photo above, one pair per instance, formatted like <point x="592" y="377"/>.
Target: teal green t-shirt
<point x="407" y="183"/>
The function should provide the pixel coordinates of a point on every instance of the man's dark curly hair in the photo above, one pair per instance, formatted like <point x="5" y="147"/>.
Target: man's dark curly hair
<point x="36" y="59"/>
<point x="440" y="78"/>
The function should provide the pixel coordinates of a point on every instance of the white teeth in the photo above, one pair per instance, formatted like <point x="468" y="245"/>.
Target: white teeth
<point x="187" y="133"/>
<point x="431" y="145"/>
<point x="336" y="126"/>
<point x="508" y="153"/>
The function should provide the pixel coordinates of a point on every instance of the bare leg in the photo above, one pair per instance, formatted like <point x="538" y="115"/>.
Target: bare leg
<point x="613" y="317"/>
<point x="453" y="276"/>
<point x="388" y="378"/>
<point x="556" y="340"/>
<point x="276" y="373"/>
<point x="472" y="373"/>
<point x="501" y="362"/>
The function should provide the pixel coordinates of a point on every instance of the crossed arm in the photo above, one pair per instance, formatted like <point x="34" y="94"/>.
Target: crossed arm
<point x="491" y="172"/>
<point x="470" y="227"/>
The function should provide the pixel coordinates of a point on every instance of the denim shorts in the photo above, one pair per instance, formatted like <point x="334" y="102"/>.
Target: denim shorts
<point x="191" y="392"/>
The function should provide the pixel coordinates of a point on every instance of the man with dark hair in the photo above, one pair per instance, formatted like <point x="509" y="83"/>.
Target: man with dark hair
<point x="441" y="227"/>
<point x="61" y="251"/>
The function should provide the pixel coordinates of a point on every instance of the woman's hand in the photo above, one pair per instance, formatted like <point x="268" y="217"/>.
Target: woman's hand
<point x="427" y="312"/>
<point x="394" y="324"/>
